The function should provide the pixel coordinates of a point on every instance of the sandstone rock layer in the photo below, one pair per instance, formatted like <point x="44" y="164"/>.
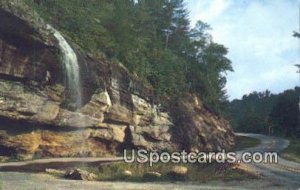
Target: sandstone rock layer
<point x="119" y="111"/>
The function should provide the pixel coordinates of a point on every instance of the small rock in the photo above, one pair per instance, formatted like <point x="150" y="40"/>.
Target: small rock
<point x="92" y="177"/>
<point x="78" y="174"/>
<point x="55" y="172"/>
<point x="127" y="173"/>
<point x="177" y="173"/>
<point x="152" y="175"/>
<point x="179" y="170"/>
<point x="4" y="159"/>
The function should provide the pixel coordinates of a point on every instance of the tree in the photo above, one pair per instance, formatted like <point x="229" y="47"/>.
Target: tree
<point x="296" y="34"/>
<point x="152" y="39"/>
<point x="38" y="2"/>
<point x="260" y="105"/>
<point x="252" y="122"/>
<point x="258" y="111"/>
<point x="285" y="115"/>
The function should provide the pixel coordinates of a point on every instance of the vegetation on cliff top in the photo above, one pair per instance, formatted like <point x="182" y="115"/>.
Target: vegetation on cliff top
<point x="153" y="39"/>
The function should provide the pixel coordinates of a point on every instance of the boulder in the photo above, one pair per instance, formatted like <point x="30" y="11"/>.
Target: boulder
<point x="178" y="171"/>
<point x="151" y="176"/>
<point x="126" y="173"/>
<point x="78" y="174"/>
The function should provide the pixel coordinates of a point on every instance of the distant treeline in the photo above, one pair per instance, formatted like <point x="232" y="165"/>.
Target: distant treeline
<point x="152" y="38"/>
<point x="263" y="112"/>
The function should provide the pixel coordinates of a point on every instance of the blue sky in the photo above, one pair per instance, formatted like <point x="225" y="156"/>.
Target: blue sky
<point x="258" y="34"/>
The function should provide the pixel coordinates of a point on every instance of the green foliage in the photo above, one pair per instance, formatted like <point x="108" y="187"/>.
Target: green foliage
<point x="285" y="115"/>
<point x="292" y="152"/>
<point x="296" y="34"/>
<point x="153" y="39"/>
<point x="252" y="112"/>
<point x="266" y="112"/>
<point x="196" y="172"/>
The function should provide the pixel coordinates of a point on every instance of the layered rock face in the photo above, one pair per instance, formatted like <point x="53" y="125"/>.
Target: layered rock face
<point x="199" y="129"/>
<point x="118" y="110"/>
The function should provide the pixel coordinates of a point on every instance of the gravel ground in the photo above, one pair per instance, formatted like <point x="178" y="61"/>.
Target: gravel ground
<point x="284" y="175"/>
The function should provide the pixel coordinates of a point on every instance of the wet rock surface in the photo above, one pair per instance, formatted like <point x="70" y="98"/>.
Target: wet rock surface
<point x="118" y="111"/>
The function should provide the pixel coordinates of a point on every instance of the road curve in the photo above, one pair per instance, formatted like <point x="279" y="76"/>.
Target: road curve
<point x="283" y="172"/>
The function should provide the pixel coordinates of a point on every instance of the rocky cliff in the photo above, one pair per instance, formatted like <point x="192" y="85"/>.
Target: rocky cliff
<point x="118" y="110"/>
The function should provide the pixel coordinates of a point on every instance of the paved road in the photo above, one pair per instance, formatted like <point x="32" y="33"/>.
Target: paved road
<point x="20" y="181"/>
<point x="284" y="175"/>
<point x="284" y="172"/>
<point x="56" y="163"/>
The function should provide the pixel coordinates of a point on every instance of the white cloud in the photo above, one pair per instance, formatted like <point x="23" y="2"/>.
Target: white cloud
<point x="216" y="8"/>
<point x="207" y="10"/>
<point x="259" y="37"/>
<point x="283" y="73"/>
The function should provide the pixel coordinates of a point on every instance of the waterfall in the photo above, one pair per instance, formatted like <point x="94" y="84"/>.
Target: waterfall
<point x="72" y="79"/>
<point x="71" y="69"/>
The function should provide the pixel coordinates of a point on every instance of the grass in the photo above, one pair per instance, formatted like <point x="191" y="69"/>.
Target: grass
<point x="292" y="152"/>
<point x="242" y="142"/>
<point x="196" y="172"/>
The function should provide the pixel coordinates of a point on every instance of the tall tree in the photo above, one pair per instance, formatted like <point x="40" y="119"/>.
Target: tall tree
<point x="153" y="39"/>
<point x="285" y="115"/>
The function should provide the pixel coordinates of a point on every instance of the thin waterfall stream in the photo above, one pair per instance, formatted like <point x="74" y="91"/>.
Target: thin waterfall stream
<point x="72" y="78"/>
<point x="71" y="69"/>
